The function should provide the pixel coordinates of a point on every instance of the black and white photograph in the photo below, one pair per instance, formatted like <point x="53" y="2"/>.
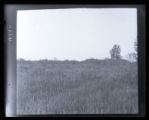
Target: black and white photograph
<point x="77" y="61"/>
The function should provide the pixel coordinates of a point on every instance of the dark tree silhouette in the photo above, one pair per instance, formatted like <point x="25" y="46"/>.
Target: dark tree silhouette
<point x="115" y="52"/>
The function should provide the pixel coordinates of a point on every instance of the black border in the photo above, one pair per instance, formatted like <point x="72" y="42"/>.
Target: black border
<point x="141" y="41"/>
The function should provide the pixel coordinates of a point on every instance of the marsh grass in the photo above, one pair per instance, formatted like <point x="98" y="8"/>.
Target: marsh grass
<point x="65" y="87"/>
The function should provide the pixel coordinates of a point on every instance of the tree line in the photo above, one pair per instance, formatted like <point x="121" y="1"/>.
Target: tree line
<point x="115" y="53"/>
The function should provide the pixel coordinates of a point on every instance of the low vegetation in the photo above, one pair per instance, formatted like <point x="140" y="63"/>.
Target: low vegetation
<point x="71" y="87"/>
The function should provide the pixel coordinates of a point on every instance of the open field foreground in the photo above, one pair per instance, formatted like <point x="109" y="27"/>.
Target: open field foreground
<point x="70" y="87"/>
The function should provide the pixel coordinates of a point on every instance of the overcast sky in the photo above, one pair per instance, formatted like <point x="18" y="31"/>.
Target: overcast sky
<point x="75" y="34"/>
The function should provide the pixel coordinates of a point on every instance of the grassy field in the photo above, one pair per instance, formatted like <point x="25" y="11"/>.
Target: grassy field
<point x="71" y="87"/>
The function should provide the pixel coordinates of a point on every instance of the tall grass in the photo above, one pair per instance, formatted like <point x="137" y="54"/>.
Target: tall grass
<point x="89" y="87"/>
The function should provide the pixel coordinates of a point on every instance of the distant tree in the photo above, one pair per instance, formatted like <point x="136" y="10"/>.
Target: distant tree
<point x="135" y="54"/>
<point x="131" y="57"/>
<point x="115" y="52"/>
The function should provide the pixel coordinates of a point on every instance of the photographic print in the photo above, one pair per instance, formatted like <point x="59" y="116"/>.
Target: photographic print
<point x="77" y="61"/>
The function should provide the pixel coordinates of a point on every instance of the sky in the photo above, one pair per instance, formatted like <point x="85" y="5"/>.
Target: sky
<point x="76" y="33"/>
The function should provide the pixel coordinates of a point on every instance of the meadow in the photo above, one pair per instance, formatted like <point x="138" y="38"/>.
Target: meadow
<point x="72" y="87"/>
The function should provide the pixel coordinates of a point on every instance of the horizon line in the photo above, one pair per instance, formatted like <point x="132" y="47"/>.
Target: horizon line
<point x="74" y="60"/>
